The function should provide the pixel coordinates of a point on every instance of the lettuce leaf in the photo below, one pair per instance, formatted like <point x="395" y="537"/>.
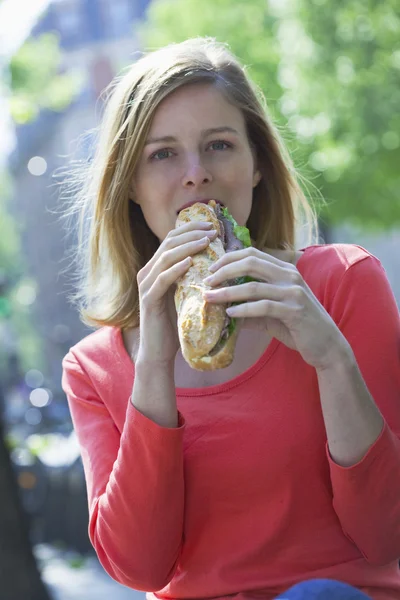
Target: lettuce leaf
<point x="231" y="326"/>
<point x="242" y="233"/>
<point x="244" y="279"/>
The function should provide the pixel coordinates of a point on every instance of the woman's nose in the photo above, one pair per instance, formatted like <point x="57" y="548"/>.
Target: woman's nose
<point x="196" y="173"/>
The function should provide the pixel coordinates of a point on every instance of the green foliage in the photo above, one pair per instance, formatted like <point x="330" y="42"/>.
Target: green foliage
<point x="9" y="234"/>
<point x="13" y="305"/>
<point x="242" y="24"/>
<point x="330" y="72"/>
<point x="36" y="82"/>
<point x="350" y="84"/>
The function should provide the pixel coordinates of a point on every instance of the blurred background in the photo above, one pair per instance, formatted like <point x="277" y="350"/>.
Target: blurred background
<point x="331" y="75"/>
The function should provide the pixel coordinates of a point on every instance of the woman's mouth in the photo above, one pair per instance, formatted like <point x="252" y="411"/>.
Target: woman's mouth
<point x="201" y="200"/>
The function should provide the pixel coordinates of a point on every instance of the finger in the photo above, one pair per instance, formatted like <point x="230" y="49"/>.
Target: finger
<point x="174" y="240"/>
<point x="262" y="308"/>
<point x="185" y="238"/>
<point x="249" y="266"/>
<point x="230" y="257"/>
<point x="271" y="256"/>
<point x="170" y="258"/>
<point x="255" y="290"/>
<point x="181" y="235"/>
<point x="189" y="226"/>
<point x="164" y="281"/>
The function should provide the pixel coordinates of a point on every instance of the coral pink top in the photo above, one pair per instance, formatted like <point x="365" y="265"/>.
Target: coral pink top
<point x="243" y="499"/>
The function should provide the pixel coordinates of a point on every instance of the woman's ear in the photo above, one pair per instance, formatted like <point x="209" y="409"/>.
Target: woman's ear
<point x="256" y="175"/>
<point x="256" y="178"/>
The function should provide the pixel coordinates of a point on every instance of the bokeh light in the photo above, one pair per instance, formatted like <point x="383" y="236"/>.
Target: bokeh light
<point x="40" y="397"/>
<point x="22" y="457"/>
<point x="34" y="378"/>
<point x="26" y="294"/>
<point x="27" y="480"/>
<point x="37" y="166"/>
<point x="33" y="416"/>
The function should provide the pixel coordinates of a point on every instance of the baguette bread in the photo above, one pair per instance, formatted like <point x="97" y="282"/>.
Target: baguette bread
<point x="201" y="324"/>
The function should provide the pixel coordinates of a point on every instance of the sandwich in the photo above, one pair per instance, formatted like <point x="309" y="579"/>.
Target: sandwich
<point x="207" y="335"/>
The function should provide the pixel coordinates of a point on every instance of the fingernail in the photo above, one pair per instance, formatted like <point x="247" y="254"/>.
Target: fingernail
<point x="208" y="280"/>
<point x="212" y="268"/>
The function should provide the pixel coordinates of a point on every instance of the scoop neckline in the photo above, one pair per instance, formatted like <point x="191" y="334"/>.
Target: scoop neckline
<point x="219" y="387"/>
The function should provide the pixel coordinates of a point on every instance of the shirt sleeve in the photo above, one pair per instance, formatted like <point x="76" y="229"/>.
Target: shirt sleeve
<point x="135" y="485"/>
<point x="367" y="494"/>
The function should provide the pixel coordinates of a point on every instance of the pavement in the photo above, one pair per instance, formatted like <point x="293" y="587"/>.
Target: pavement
<point x="69" y="576"/>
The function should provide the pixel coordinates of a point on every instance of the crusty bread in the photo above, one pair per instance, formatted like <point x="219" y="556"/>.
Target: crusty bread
<point x="200" y="323"/>
<point x="222" y="359"/>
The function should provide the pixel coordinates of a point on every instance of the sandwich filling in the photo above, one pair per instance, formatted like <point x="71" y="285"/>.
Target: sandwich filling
<point x="233" y="237"/>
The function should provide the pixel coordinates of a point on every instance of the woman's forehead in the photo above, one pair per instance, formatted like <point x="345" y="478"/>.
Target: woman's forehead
<point x="200" y="106"/>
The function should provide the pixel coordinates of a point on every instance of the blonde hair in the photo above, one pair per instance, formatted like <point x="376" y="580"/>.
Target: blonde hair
<point x="115" y="241"/>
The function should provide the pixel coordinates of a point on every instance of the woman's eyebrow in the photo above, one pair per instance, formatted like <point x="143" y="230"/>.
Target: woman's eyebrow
<point x="167" y="139"/>
<point x="223" y="129"/>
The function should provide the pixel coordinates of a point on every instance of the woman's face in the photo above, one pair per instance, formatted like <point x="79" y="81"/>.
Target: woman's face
<point x="197" y="149"/>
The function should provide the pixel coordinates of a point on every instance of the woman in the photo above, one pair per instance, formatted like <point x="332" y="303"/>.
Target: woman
<point x="282" y="470"/>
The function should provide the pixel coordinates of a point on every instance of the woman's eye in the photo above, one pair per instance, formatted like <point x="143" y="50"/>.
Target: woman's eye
<point x="161" y="154"/>
<point x="220" y="145"/>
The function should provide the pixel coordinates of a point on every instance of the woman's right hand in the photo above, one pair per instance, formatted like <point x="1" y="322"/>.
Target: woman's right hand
<point x="159" y="341"/>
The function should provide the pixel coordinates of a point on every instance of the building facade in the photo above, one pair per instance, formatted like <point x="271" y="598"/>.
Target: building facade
<point x="97" y="39"/>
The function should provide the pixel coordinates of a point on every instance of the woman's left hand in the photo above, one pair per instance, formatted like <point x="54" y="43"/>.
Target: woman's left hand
<point x="280" y="301"/>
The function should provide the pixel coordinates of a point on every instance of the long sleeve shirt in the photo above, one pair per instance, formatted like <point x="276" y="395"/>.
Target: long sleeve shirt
<point x="242" y="499"/>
